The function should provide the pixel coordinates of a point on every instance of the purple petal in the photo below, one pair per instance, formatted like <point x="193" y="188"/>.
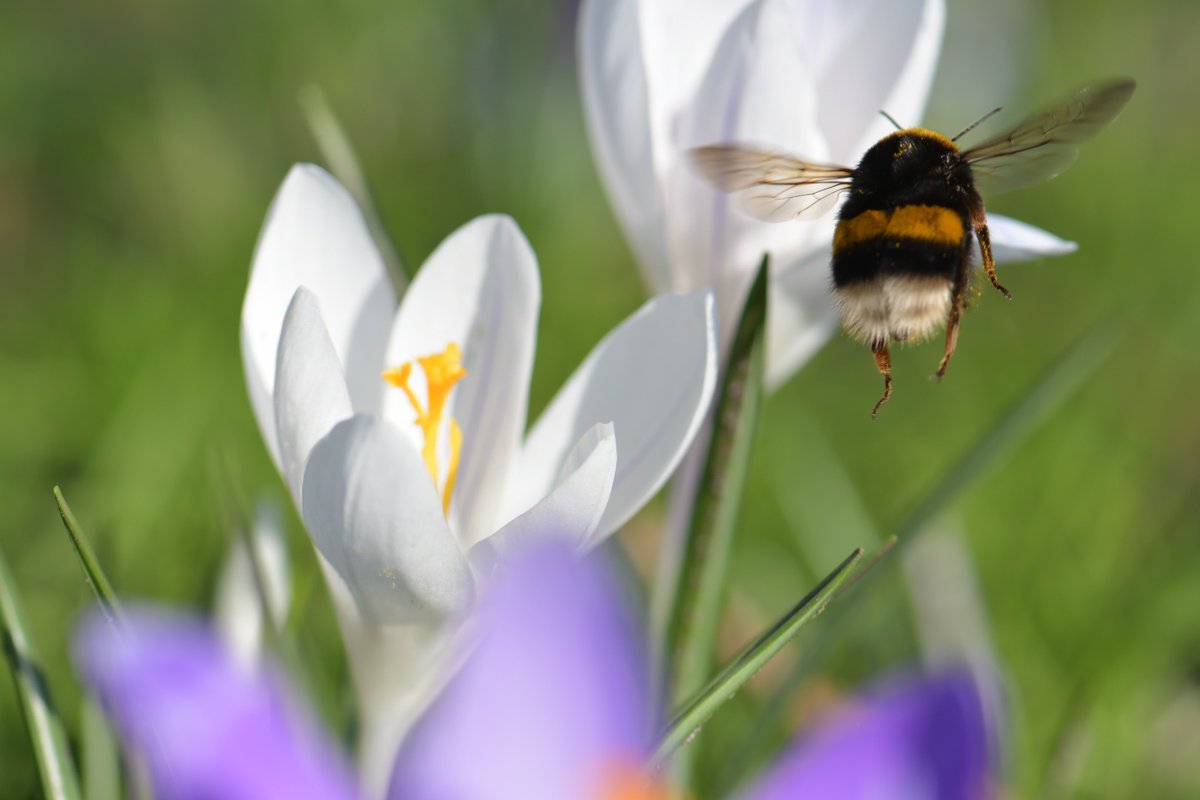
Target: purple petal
<point x="206" y="728"/>
<point x="553" y="699"/>
<point x="919" y="739"/>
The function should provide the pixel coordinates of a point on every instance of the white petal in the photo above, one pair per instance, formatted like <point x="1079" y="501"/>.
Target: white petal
<point x="1013" y="240"/>
<point x="653" y="377"/>
<point x="238" y="607"/>
<point x="570" y="512"/>
<point x="397" y="671"/>
<point x="757" y="62"/>
<point x="910" y="92"/>
<point x="679" y="38"/>
<point x="310" y="392"/>
<point x="374" y="515"/>
<point x="617" y="110"/>
<point x="314" y="236"/>
<point x="479" y="289"/>
<point x="868" y="55"/>
<point x="800" y="316"/>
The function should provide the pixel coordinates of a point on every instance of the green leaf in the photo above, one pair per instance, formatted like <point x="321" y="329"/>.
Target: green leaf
<point x="699" y="593"/>
<point x="96" y="578"/>
<point x="339" y="154"/>
<point x="742" y="668"/>
<point x="60" y="781"/>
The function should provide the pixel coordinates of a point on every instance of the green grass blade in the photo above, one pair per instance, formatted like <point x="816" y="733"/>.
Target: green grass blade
<point x="692" y="626"/>
<point x="698" y="710"/>
<point x="92" y="570"/>
<point x="60" y="781"/>
<point x="339" y="154"/>
<point x="100" y="754"/>
<point x="699" y="593"/>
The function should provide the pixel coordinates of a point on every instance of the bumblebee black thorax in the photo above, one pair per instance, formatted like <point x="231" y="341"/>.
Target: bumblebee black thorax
<point x="906" y="212"/>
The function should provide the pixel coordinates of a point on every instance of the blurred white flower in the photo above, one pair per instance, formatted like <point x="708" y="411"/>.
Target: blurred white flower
<point x="804" y="76"/>
<point x="238" y="604"/>
<point x="405" y="513"/>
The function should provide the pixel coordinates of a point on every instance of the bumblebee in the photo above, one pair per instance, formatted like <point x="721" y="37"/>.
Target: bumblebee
<point x="913" y="212"/>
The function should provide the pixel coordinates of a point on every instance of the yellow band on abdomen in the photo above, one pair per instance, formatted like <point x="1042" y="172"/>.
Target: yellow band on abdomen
<point x="936" y="224"/>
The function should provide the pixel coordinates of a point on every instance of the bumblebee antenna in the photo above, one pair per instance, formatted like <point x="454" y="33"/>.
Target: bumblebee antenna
<point x="890" y="119"/>
<point x="974" y="124"/>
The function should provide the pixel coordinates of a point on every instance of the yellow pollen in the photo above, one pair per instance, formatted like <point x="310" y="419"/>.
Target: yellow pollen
<point x="442" y="371"/>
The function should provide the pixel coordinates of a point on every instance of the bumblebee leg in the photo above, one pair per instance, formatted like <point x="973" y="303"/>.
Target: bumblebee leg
<point x="957" y="301"/>
<point x="979" y="223"/>
<point x="883" y="361"/>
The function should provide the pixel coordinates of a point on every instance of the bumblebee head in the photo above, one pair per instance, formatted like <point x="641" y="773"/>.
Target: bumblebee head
<point x="905" y="159"/>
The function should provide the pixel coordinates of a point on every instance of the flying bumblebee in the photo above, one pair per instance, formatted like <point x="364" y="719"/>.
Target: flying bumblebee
<point x="903" y="241"/>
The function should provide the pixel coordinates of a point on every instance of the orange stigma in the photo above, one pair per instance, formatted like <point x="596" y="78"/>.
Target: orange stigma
<point x="627" y="782"/>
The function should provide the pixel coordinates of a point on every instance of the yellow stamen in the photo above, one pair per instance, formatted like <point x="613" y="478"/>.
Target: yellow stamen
<point x="452" y="469"/>
<point x="442" y="371"/>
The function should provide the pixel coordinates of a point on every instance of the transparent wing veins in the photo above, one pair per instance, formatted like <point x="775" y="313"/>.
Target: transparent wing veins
<point x="770" y="185"/>
<point x="1042" y="145"/>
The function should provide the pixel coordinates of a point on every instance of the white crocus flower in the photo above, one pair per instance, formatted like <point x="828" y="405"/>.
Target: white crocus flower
<point x="246" y="581"/>
<point x="405" y="514"/>
<point x="804" y="76"/>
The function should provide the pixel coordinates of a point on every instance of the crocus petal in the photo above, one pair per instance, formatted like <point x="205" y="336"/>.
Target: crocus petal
<point x="912" y="83"/>
<point x="570" y="512"/>
<point x="238" y="606"/>
<point x="925" y="739"/>
<point x="616" y="102"/>
<point x="801" y="316"/>
<point x="713" y="242"/>
<point x="310" y="391"/>
<point x="755" y="63"/>
<point x="678" y="40"/>
<point x="554" y="697"/>
<point x="868" y="55"/>
<point x="314" y="236"/>
<point x="374" y="515"/>
<point x="653" y="377"/>
<point x="397" y="671"/>
<point x="205" y="727"/>
<point x="1013" y="240"/>
<point x="480" y="290"/>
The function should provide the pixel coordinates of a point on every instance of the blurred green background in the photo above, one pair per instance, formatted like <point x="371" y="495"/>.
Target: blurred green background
<point x="141" y="142"/>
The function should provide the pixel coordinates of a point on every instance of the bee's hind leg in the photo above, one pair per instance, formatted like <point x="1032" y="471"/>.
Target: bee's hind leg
<point x="958" y="300"/>
<point x="883" y="360"/>
<point x="979" y="224"/>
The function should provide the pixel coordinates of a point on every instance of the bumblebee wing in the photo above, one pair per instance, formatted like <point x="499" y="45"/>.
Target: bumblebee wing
<point x="1044" y="144"/>
<point x="769" y="185"/>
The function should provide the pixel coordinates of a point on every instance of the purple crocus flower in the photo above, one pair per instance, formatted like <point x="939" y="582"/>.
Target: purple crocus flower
<point x="207" y="728"/>
<point x="912" y="739"/>
<point x="552" y="704"/>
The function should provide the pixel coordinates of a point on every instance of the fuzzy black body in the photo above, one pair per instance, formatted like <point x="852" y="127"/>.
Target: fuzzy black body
<point x="900" y="251"/>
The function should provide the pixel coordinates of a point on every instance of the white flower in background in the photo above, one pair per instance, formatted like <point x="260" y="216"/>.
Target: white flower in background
<point x="401" y="431"/>
<point x="238" y="604"/>
<point x="803" y="76"/>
